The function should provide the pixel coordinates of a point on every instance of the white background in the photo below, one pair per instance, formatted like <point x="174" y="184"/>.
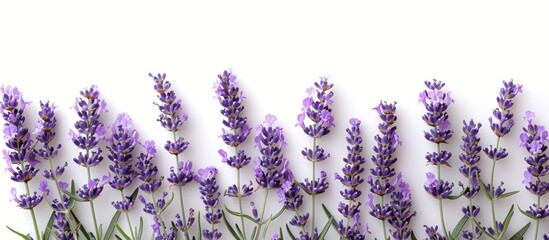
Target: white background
<point x="373" y="51"/>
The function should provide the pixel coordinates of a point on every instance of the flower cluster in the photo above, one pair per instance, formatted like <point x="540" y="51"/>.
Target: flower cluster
<point x="171" y="120"/>
<point x="436" y="101"/>
<point x="121" y="144"/>
<point x="351" y="179"/>
<point x="469" y="156"/>
<point x="271" y="166"/>
<point x="209" y="189"/>
<point x="401" y="213"/>
<point x="534" y="140"/>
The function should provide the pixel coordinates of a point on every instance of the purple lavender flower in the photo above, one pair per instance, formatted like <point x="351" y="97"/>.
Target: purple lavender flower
<point x="469" y="170"/>
<point x="317" y="108"/>
<point x="289" y="194"/>
<point x="92" y="189"/>
<point x="122" y="142"/>
<point x="271" y="165"/>
<point x="401" y="213"/>
<point x="146" y="170"/>
<point x="171" y="120"/>
<point x="209" y="189"/>
<point x="534" y="140"/>
<point x="20" y="149"/>
<point x="61" y="227"/>
<point x="436" y="102"/>
<point x="351" y="179"/>
<point x="432" y="233"/>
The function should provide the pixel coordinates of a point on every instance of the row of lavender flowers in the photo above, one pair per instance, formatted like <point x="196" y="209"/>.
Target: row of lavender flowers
<point x="389" y="198"/>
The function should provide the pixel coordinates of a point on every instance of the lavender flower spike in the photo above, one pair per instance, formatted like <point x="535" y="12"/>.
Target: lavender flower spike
<point x="236" y="131"/>
<point x="171" y="120"/>
<point x="20" y="149"/>
<point x="352" y="179"/>
<point x="534" y="139"/>
<point x="89" y="132"/>
<point x="317" y="108"/>
<point x="401" y="204"/>
<point x="436" y="102"/>
<point x="209" y="189"/>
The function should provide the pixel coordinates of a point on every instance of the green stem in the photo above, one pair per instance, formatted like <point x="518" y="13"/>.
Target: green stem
<point x="537" y="220"/>
<point x="36" y="231"/>
<point x="492" y="189"/>
<point x="128" y="216"/>
<point x="259" y="225"/>
<point x="92" y="207"/>
<point x="181" y="202"/>
<point x="440" y="208"/>
<point x="239" y="203"/>
<point x="471" y="209"/>
<point x="313" y="194"/>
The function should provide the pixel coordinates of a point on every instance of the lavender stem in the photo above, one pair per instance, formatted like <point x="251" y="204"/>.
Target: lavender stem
<point x="313" y="182"/>
<point x="492" y="188"/>
<point x="181" y="202"/>
<point x="91" y="205"/>
<point x="36" y="231"/>
<point x="128" y="217"/>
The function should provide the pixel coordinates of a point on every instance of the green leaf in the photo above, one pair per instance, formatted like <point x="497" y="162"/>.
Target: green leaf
<point x="329" y="215"/>
<point x="267" y="224"/>
<point x="139" y="232"/>
<point x="527" y="213"/>
<point x="117" y="237"/>
<point x="237" y="214"/>
<point x="228" y="225"/>
<point x="167" y="204"/>
<point x="507" y="220"/>
<point x="280" y="233"/>
<point x="506" y="195"/>
<point x="18" y="233"/>
<point x="80" y="227"/>
<point x="200" y="226"/>
<point x="302" y="187"/>
<point x="112" y="225"/>
<point x="47" y="231"/>
<point x="326" y="228"/>
<point x="483" y="187"/>
<point x="459" y="227"/>
<point x="239" y="231"/>
<point x="520" y="233"/>
<point x="290" y="233"/>
<point x="121" y="231"/>
<point x="254" y="232"/>
<point x="273" y="217"/>
<point x="413" y="236"/>
<point x="73" y="196"/>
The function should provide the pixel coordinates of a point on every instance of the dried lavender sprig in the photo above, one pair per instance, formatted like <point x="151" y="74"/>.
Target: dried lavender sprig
<point x="534" y="140"/>
<point x="352" y="179"/>
<point x="89" y="132"/>
<point x="271" y="165"/>
<point x="121" y="144"/>
<point x="501" y="126"/>
<point x="436" y="102"/>
<point x="147" y="172"/>
<point x="317" y="108"/>
<point x="172" y="121"/>
<point x="381" y="178"/>
<point x="470" y="170"/>
<point x="209" y="189"/>
<point x="21" y="149"/>
<point x="231" y="98"/>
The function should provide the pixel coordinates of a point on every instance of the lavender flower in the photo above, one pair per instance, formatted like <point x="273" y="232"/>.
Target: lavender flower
<point x="290" y="195"/>
<point x="381" y="179"/>
<point x="317" y="108"/>
<point x="89" y="132"/>
<point x="501" y="125"/>
<point x="146" y="170"/>
<point x="271" y="165"/>
<point x="351" y="179"/>
<point x="172" y="121"/>
<point x="401" y="213"/>
<point x="20" y="149"/>
<point x="432" y="233"/>
<point x="470" y="170"/>
<point x="121" y="145"/>
<point x="534" y="139"/>
<point x="61" y="227"/>
<point x="436" y="102"/>
<point x="209" y="189"/>
<point x="237" y="130"/>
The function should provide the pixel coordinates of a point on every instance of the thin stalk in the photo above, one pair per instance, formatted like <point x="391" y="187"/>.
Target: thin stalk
<point x="128" y="216"/>
<point x="92" y="207"/>
<point x="181" y="202"/>
<point x="440" y="208"/>
<point x="259" y="224"/>
<point x="313" y="194"/>
<point x="471" y="208"/>
<point x="492" y="189"/>
<point x="36" y="231"/>
<point x="239" y="194"/>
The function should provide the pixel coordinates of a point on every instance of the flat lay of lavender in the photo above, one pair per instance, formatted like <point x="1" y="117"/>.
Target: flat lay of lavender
<point x="266" y="198"/>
